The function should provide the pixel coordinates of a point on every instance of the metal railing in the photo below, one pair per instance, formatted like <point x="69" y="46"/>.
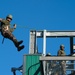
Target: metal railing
<point x="58" y="66"/>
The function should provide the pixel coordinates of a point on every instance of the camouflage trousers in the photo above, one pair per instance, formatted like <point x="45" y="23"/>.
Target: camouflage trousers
<point x="7" y="34"/>
<point x="63" y="67"/>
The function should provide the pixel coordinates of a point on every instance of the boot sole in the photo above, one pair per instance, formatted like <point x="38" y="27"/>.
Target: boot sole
<point x="20" y="48"/>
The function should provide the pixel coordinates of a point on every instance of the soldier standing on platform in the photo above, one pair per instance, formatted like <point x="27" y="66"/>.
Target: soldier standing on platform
<point x="61" y="52"/>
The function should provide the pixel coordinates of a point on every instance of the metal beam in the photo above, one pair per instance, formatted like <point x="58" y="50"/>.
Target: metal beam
<point x="44" y="42"/>
<point x="71" y="45"/>
<point x="44" y="34"/>
<point x="57" y="58"/>
<point x="32" y="48"/>
<point x="56" y="33"/>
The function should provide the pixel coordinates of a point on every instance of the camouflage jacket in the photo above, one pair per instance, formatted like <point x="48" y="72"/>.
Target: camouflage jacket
<point x="4" y="23"/>
<point x="61" y="53"/>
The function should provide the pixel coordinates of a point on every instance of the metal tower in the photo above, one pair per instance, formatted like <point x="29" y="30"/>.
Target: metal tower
<point x="40" y="64"/>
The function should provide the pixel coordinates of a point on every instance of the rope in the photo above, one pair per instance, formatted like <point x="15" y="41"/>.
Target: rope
<point x="26" y="27"/>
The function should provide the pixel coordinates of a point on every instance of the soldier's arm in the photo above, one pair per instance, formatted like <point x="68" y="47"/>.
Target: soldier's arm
<point x="12" y="29"/>
<point x="0" y="23"/>
<point x="59" y="53"/>
<point x="63" y="54"/>
<point x="0" y="19"/>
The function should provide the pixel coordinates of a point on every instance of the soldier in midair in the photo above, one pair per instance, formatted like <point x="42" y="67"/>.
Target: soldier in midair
<point x="6" y="31"/>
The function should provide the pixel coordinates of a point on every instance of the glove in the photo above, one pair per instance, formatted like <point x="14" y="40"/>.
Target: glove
<point x="14" y="26"/>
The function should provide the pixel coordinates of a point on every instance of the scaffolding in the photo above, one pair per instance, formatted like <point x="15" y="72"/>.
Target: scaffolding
<point x="35" y="64"/>
<point x="49" y="34"/>
<point x="55" y="34"/>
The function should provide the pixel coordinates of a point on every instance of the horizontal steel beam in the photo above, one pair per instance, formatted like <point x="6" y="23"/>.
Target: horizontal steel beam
<point x="56" y="33"/>
<point x="70" y="69"/>
<point x="42" y="58"/>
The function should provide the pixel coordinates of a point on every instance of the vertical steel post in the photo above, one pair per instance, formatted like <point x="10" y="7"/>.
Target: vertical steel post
<point x="71" y="45"/>
<point x="32" y="48"/>
<point x="44" y="51"/>
<point x="44" y="42"/>
<point x="71" y="50"/>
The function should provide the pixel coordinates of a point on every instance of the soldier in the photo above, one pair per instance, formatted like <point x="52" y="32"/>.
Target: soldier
<point x="61" y="52"/>
<point x="6" y="31"/>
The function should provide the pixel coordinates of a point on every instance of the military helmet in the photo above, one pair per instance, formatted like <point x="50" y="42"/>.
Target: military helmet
<point x="73" y="54"/>
<point x="48" y="54"/>
<point x="62" y="46"/>
<point x="9" y="16"/>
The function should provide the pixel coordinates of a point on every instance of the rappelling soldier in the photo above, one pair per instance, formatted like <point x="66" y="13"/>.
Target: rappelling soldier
<point x="6" y="31"/>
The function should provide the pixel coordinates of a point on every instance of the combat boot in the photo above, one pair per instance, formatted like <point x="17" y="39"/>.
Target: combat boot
<point x="20" y="47"/>
<point x="17" y="43"/>
<point x="20" y="42"/>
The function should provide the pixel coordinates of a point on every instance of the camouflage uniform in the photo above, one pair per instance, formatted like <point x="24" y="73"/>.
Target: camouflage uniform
<point x="61" y="52"/>
<point x="8" y="33"/>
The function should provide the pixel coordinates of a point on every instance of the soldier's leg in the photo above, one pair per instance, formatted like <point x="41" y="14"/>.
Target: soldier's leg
<point x="16" y="43"/>
<point x="10" y="36"/>
<point x="64" y="67"/>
